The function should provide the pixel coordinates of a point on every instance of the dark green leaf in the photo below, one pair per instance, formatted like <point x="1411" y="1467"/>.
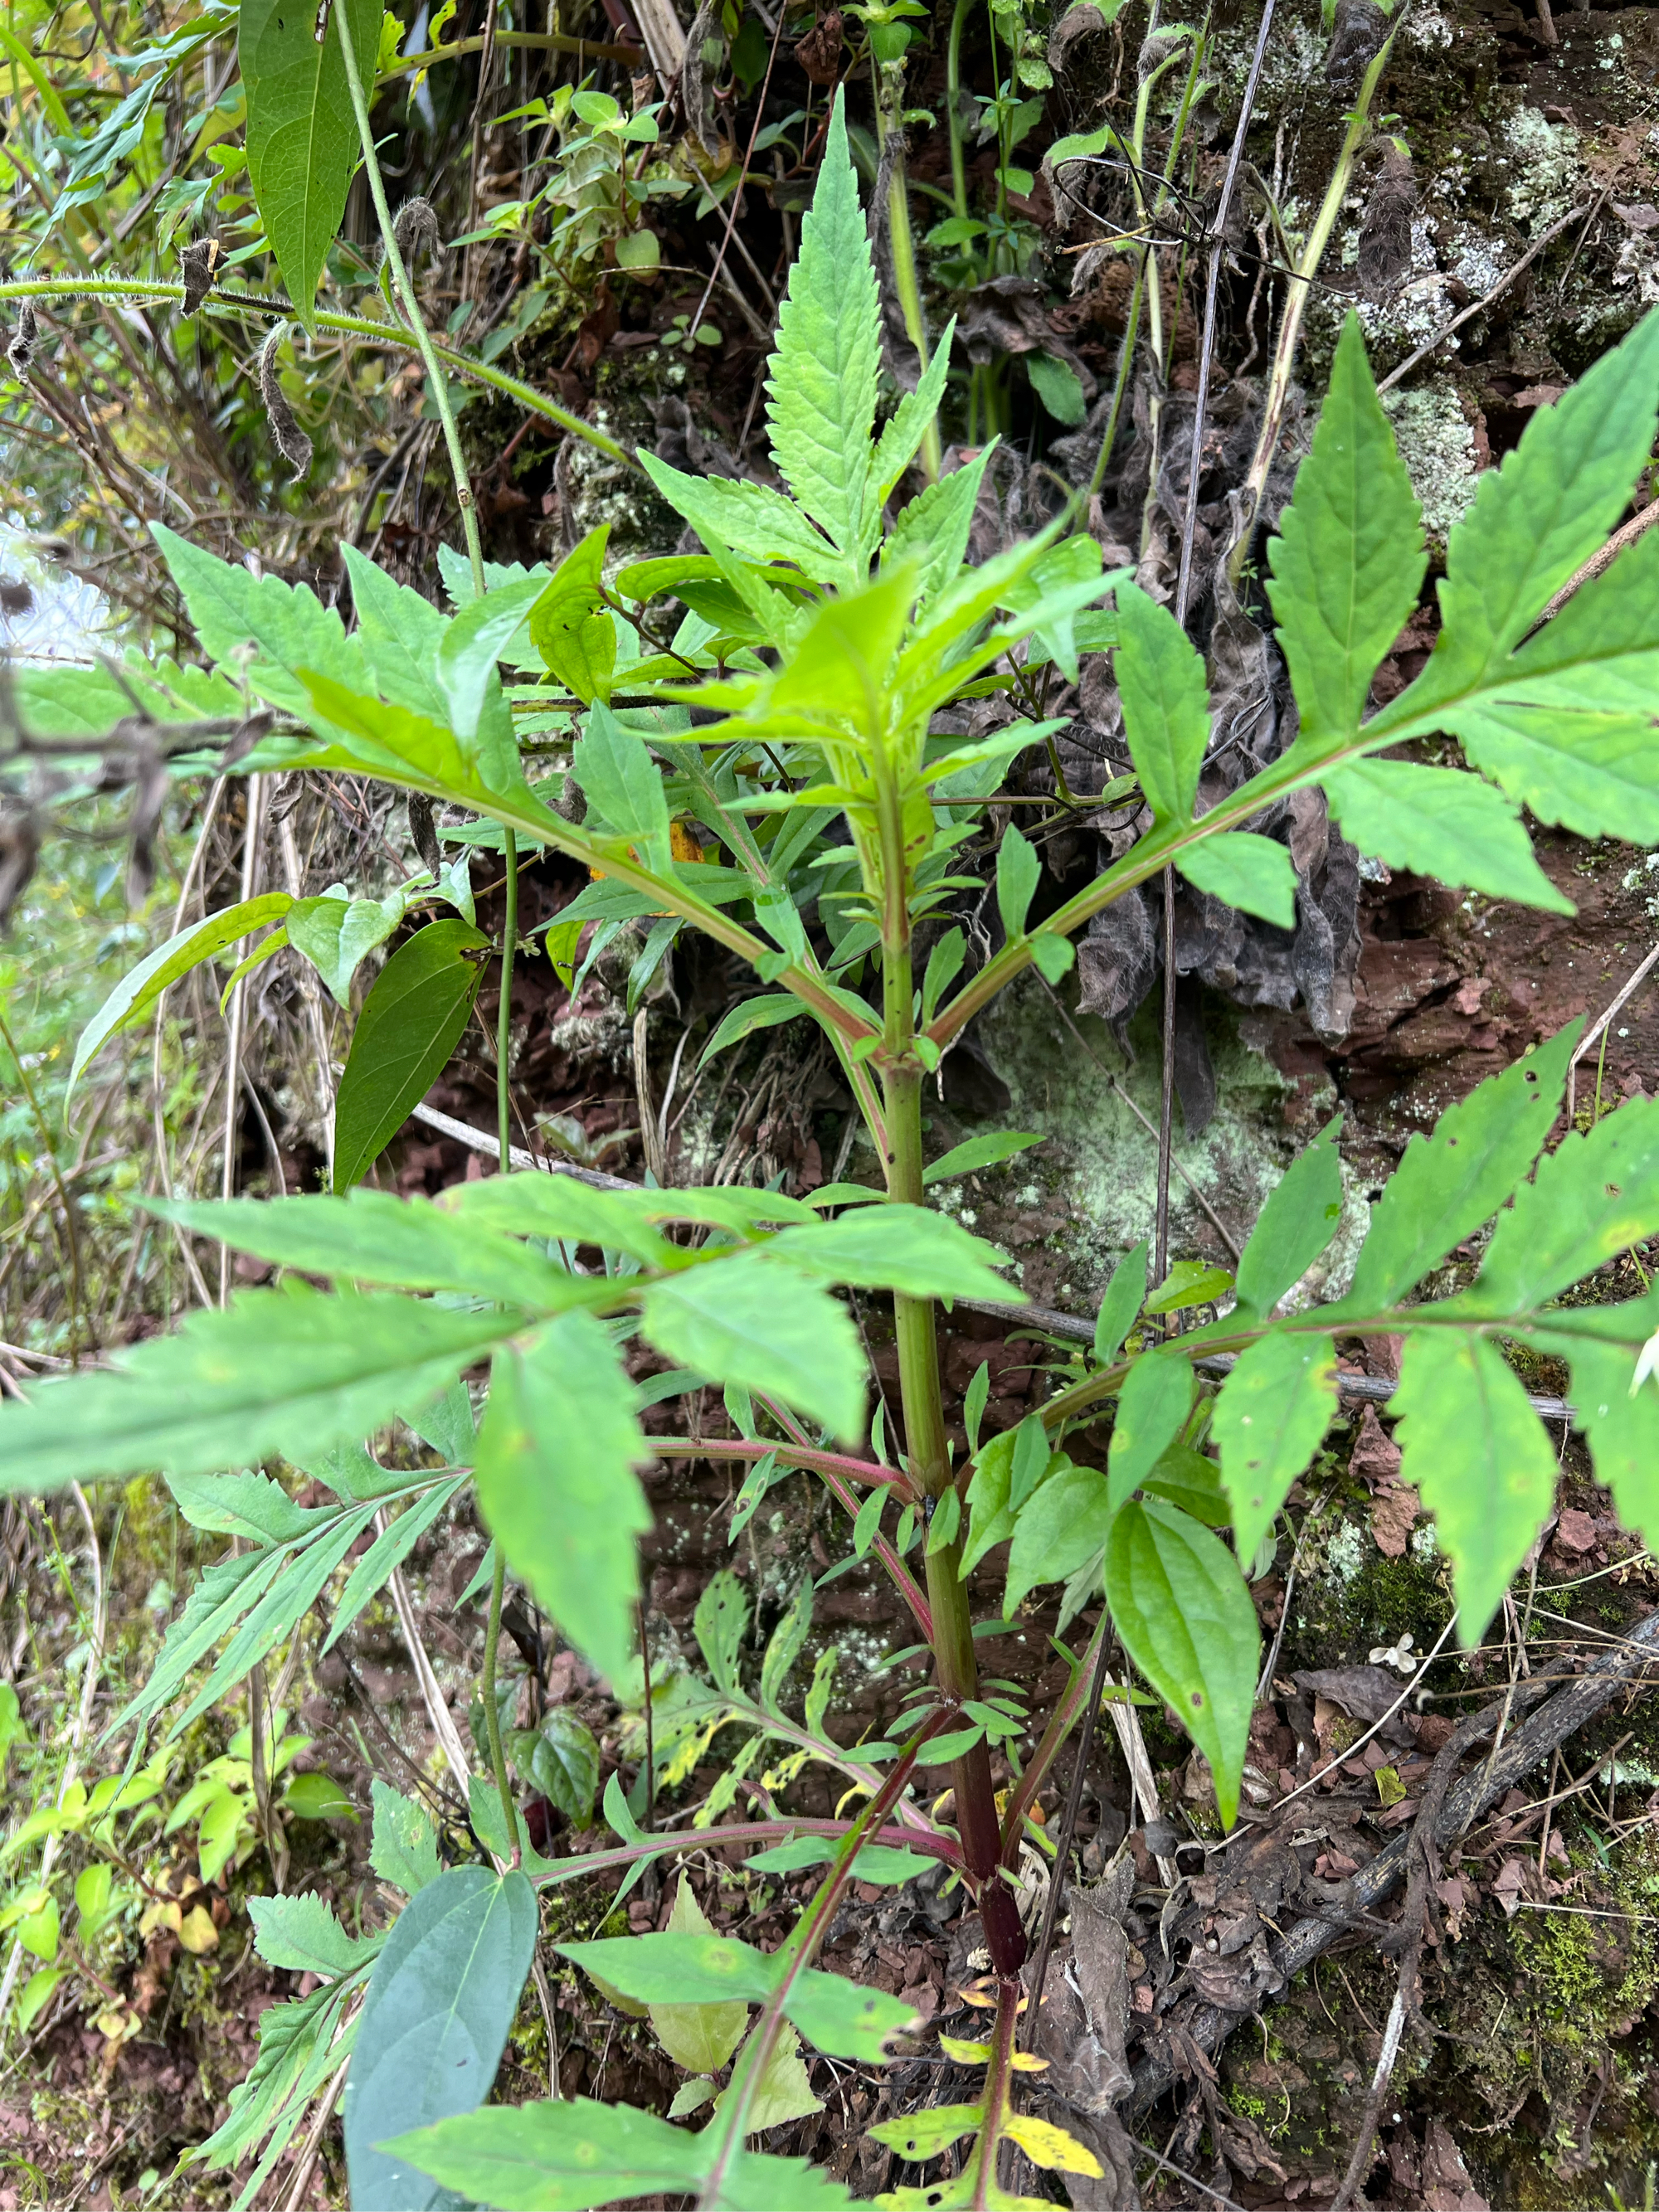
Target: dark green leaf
<point x="571" y="627"/>
<point x="1061" y="1526"/>
<point x="1125" y="1295"/>
<point x="564" y="1764"/>
<point x="755" y="1320"/>
<point x="839" y="2017"/>
<point x="1166" y="704"/>
<point x="1349" y="561"/>
<point x="435" y="2024"/>
<point x="1018" y="870"/>
<point x="410" y="1023"/>
<point x="1442" y="822"/>
<point x="987" y="1151"/>
<point x="1151" y="1412"/>
<point x="1179" y="1603"/>
<point x="742" y="1021"/>
<point x="1295" y="1226"/>
<point x="302" y="144"/>
<point x="275" y="1372"/>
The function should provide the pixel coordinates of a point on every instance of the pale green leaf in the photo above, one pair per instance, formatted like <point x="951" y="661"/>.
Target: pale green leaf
<point x="755" y="1321"/>
<point x="821" y="382"/>
<point x="302" y="1934"/>
<point x="136" y="994"/>
<point x="1451" y="1182"/>
<point x="783" y="2092"/>
<point x="274" y="1372"/>
<point x="336" y="935"/>
<point x="1296" y="1224"/>
<point x="565" y="2157"/>
<point x="555" y="1471"/>
<point x="288" y="624"/>
<point x="1481" y="1460"/>
<point x="1123" y="1298"/>
<point x="907" y="1248"/>
<point x="1241" y="869"/>
<point x="404" y="1845"/>
<point x="1269" y="1421"/>
<point x="570" y="625"/>
<point x="987" y="1151"/>
<point x="1180" y="1604"/>
<point x="699" y="2037"/>
<point x="1591" y="1199"/>
<point x="623" y="786"/>
<point x="398" y="634"/>
<point x="1018" y="869"/>
<point x="911" y="420"/>
<point x="1062" y="1524"/>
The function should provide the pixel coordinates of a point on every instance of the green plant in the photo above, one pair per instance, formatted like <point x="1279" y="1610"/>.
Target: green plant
<point x="818" y="644"/>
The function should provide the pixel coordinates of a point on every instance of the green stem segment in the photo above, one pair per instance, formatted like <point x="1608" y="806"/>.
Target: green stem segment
<point x="504" y="1018"/>
<point x="436" y="382"/>
<point x="492" y="1711"/>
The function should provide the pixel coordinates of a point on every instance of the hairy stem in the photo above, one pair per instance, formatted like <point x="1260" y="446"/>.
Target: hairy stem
<point x="436" y="382"/>
<point x="492" y="1711"/>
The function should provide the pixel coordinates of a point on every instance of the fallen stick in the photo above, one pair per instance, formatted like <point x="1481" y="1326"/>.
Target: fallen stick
<point x="1546" y="1729"/>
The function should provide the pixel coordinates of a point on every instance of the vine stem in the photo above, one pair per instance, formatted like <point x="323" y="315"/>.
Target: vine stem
<point x="492" y="1711"/>
<point x="436" y="381"/>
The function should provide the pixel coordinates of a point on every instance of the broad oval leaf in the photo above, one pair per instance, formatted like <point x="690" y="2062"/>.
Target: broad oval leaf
<point x="682" y="1968"/>
<point x="1180" y="1604"/>
<point x="1064" y="1524"/>
<point x="410" y="1023"/>
<point x="1270" y="1419"/>
<point x="433" y="2025"/>
<point x="336" y="935"/>
<point x="1297" y="1222"/>
<point x="1251" y="872"/>
<point x="1166" y="702"/>
<point x="1151" y="1412"/>
<point x="565" y="2157"/>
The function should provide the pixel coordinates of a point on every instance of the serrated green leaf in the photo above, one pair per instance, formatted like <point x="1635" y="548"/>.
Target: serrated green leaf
<point x="755" y="1320"/>
<point x="398" y="634"/>
<point x="1348" y="563"/>
<point x="757" y="522"/>
<point x="555" y="1474"/>
<point x="1591" y="1199"/>
<point x="372" y="1236"/>
<point x="1451" y="1182"/>
<point x="1444" y="823"/>
<point x="1537" y="518"/>
<point x="1166" y="702"/>
<point x="272" y="1373"/>
<point x="821" y="382"/>
<point x="1296" y="1224"/>
<point x="1061" y="1525"/>
<point x="1124" y="1296"/>
<point x="435" y="2023"/>
<point x="783" y="2092"/>
<point x="1180" y="1604"/>
<point x="930" y="538"/>
<point x="300" y="1934"/>
<point x="570" y="625"/>
<point x="907" y="1248"/>
<point x="699" y="2037"/>
<point x="302" y="144"/>
<point x="1250" y="873"/>
<point x="1269" y="1421"/>
<point x="1480" y="1459"/>
<point x="682" y="1968"/>
<point x="410" y="1023"/>
<point x="565" y="2157"/>
<point x="403" y="1842"/>
<point x="336" y="935"/>
<point x="720" y="1623"/>
<point x="1622" y="1424"/>
<point x="623" y="786"/>
<point x="911" y="420"/>
<point x="1152" y="1410"/>
<point x="136" y="994"/>
<point x="389" y="1550"/>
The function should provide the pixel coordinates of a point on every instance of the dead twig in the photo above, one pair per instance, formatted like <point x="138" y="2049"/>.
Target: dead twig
<point x="1467" y="314"/>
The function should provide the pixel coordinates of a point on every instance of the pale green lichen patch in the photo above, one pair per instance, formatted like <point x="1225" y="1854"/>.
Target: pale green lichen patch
<point x="1437" y="444"/>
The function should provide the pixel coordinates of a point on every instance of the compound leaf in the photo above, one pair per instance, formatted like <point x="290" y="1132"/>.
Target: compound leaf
<point x="1591" y="1199"/>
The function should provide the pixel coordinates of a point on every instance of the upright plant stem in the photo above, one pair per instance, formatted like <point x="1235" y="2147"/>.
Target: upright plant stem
<point x="504" y="1013"/>
<point x="405" y="292"/>
<point x="492" y="1711"/>
<point x="953" y="108"/>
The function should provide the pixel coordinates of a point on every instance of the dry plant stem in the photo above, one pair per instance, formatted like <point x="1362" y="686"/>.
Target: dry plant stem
<point x="77" y="1733"/>
<point x="306" y="2165"/>
<point x="310" y="992"/>
<point x="1602" y="559"/>
<point x="1068" y="1824"/>
<point x="432" y="1696"/>
<point x="550" y="42"/>
<point x="492" y="1709"/>
<point x="1212" y="284"/>
<point x="1295" y="304"/>
<point x="405" y="292"/>
<point x="1061" y="1722"/>
<point x="73" y="1242"/>
<point x="650" y="1726"/>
